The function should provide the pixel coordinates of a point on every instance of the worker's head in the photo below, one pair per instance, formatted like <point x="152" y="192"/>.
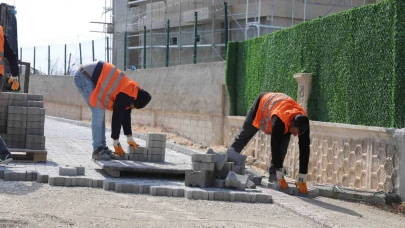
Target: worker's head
<point x="299" y="125"/>
<point x="142" y="100"/>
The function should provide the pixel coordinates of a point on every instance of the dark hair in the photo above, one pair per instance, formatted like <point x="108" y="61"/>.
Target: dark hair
<point x="301" y="122"/>
<point x="142" y="100"/>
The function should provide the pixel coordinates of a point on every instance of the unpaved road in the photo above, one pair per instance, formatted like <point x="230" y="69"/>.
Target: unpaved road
<point x="30" y="204"/>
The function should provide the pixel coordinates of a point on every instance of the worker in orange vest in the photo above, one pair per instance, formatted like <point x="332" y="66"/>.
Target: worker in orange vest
<point x="278" y="115"/>
<point x="103" y="86"/>
<point x="9" y="54"/>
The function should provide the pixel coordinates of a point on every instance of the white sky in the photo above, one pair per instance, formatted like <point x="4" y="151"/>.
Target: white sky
<point x="47" y="22"/>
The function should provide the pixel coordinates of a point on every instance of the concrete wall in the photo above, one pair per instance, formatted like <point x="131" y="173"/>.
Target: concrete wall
<point x="187" y="99"/>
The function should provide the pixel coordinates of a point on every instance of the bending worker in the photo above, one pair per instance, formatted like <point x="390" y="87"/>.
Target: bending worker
<point x="9" y="54"/>
<point x="103" y="86"/>
<point x="278" y="115"/>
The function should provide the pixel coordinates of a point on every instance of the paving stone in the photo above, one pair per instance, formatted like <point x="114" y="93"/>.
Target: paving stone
<point x="196" y="194"/>
<point x="35" y="118"/>
<point x="17" y="138"/>
<point x="35" y="111"/>
<point x="82" y="182"/>
<point x="156" y="151"/>
<point x="250" y="184"/>
<point x="219" y="195"/>
<point x="262" y="198"/>
<point x="161" y="191"/>
<point x="39" y="139"/>
<point x="203" y="166"/>
<point x="155" y="137"/>
<point x="201" y="179"/>
<point x="138" y="157"/>
<point x="203" y="158"/>
<point x="178" y="192"/>
<point x="225" y="170"/>
<point x="236" y="180"/>
<point x="35" y="131"/>
<point x="3" y="103"/>
<point x="220" y="159"/>
<point x="5" y="95"/>
<point x="18" y="96"/>
<point x="17" y="124"/>
<point x="123" y="187"/>
<point x="31" y="124"/>
<point x="38" y="104"/>
<point x="18" y="103"/>
<point x="2" y="173"/>
<point x="155" y="144"/>
<point x="67" y="171"/>
<point x="80" y="170"/>
<point x="15" y="131"/>
<point x="240" y="197"/>
<point x="109" y="185"/>
<point x="256" y="180"/>
<point x="144" y="189"/>
<point x="10" y="175"/>
<point x="18" y="117"/>
<point x="139" y="150"/>
<point x="35" y="146"/>
<point x="56" y="181"/>
<point x="156" y="158"/>
<point x="32" y="175"/>
<point x="219" y="183"/>
<point x="239" y="169"/>
<point x="235" y="157"/>
<point x="17" y="110"/>
<point x="35" y="97"/>
<point x="42" y="178"/>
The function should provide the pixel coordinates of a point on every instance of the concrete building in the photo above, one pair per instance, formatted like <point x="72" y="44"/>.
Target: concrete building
<point x="134" y="22"/>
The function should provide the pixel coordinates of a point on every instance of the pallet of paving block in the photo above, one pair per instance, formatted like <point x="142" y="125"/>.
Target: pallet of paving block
<point x="28" y="155"/>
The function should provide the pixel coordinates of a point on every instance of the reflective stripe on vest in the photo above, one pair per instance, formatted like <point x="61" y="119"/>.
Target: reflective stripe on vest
<point x="266" y="111"/>
<point x="111" y="90"/>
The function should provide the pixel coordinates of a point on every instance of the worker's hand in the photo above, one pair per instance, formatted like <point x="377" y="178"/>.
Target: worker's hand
<point x="280" y="177"/>
<point x="131" y="142"/>
<point x="14" y="80"/>
<point x="302" y="183"/>
<point x="118" y="148"/>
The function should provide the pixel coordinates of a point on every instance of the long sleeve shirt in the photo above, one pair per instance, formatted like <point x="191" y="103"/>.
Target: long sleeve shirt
<point x="11" y="57"/>
<point x="279" y="145"/>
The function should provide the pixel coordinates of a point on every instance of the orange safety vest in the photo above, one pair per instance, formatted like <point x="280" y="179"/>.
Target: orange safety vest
<point x="279" y="104"/>
<point x="110" y="83"/>
<point x="1" y="51"/>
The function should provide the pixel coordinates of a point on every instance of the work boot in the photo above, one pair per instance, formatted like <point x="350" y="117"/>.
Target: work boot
<point x="5" y="157"/>
<point x="101" y="154"/>
<point x="272" y="178"/>
<point x="110" y="153"/>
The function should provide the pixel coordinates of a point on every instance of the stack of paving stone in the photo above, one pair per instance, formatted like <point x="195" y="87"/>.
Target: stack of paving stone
<point x="22" y="121"/>
<point x="154" y="150"/>
<point x="202" y="173"/>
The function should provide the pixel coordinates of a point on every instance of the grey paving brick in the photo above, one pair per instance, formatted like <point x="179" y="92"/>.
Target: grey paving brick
<point x="156" y="158"/>
<point x="169" y="145"/>
<point x="38" y="104"/>
<point x="138" y="157"/>
<point x="42" y="177"/>
<point x="35" y="97"/>
<point x="32" y="175"/>
<point x="3" y="121"/>
<point x="15" y="131"/>
<point x="143" y="137"/>
<point x="68" y="181"/>
<point x="235" y="157"/>
<point x="35" y="131"/>
<point x="161" y="191"/>
<point x="203" y="158"/>
<point x="18" y="96"/>
<point x="139" y="150"/>
<point x="4" y="95"/>
<point x="219" y="195"/>
<point x="155" y="144"/>
<point x="155" y="137"/>
<point x="31" y="124"/>
<point x="239" y="169"/>
<point x="17" y="103"/>
<point x="178" y="191"/>
<point x="3" y="102"/>
<point x="56" y="181"/>
<point x="36" y="111"/>
<point x="220" y="159"/>
<point x="13" y="144"/>
<point x="82" y="181"/>
<point x="196" y="194"/>
<point x="219" y="183"/>
<point x="17" y="124"/>
<point x="10" y="175"/>
<point x="226" y="169"/>
<point x="35" y="118"/>
<point x="80" y="170"/>
<point x="67" y="171"/>
<point x="19" y="117"/>
<point x="144" y="189"/>
<point x="17" y="138"/>
<point x="2" y="173"/>
<point x="256" y="180"/>
<point x="201" y="179"/>
<point x="123" y="187"/>
<point x="240" y="197"/>
<point x="156" y="151"/>
<point x="35" y="146"/>
<point x="262" y="198"/>
<point x="109" y="185"/>
<point x="236" y="180"/>
<point x="203" y="166"/>
<point x="40" y="139"/>
<point x="97" y="183"/>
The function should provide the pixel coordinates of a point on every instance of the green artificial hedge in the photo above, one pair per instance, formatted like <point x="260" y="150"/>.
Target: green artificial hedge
<point x="356" y="57"/>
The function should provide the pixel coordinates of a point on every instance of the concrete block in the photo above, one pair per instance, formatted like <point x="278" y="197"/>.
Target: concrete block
<point x="19" y="117"/>
<point x="15" y="131"/>
<point x="3" y="129"/>
<point x="35" y="118"/>
<point x="35" y="97"/>
<point x="155" y="144"/>
<point x="235" y="157"/>
<point x="80" y="170"/>
<point x="239" y="169"/>
<point x="144" y="189"/>
<point x="67" y="171"/>
<point x="256" y="180"/>
<point x="108" y="185"/>
<point x="17" y="103"/>
<point x="17" y="124"/>
<point x="250" y="184"/>
<point x="156" y="151"/>
<point x="236" y="180"/>
<point x="56" y="181"/>
<point x="161" y="191"/>
<point x="35" y="131"/>
<point x="38" y="104"/>
<point x="203" y="166"/>
<point x="97" y="183"/>
<point x="169" y="145"/>
<point x="220" y="160"/>
<point x="32" y="175"/>
<point x="178" y="192"/>
<point x="226" y="169"/>
<point x="240" y="197"/>
<point x="4" y="95"/>
<point x="138" y="157"/>
<point x="262" y="198"/>
<point x="13" y="144"/>
<point x="35" y="146"/>
<point x="219" y="195"/>
<point x="35" y="111"/>
<point x="155" y="137"/>
<point x="82" y="182"/>
<point x="3" y="103"/>
<point x="42" y="178"/>
<point x="139" y="150"/>
<point x="143" y="137"/>
<point x="39" y="139"/>
<point x="156" y="158"/>
<point x="18" y="96"/>
<point x="10" y="175"/>
<point x="203" y="158"/>
<point x="200" y="179"/>
<point x="219" y="183"/>
<point x="126" y="187"/>
<point x="35" y="124"/>
<point x="196" y="194"/>
<point x="3" y="121"/>
<point x="16" y="138"/>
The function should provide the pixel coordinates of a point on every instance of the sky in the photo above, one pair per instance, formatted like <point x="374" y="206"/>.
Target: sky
<point x="56" y="23"/>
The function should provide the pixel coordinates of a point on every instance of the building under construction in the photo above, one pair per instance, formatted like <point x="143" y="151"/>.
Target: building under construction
<point x="153" y="33"/>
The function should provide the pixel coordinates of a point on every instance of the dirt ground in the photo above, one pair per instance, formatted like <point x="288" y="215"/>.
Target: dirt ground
<point x="30" y="204"/>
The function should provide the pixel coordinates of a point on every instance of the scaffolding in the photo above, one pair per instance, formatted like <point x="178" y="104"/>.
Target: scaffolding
<point x="167" y="33"/>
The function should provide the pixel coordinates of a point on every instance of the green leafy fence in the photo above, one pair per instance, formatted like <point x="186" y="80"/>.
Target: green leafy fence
<point x="356" y="57"/>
